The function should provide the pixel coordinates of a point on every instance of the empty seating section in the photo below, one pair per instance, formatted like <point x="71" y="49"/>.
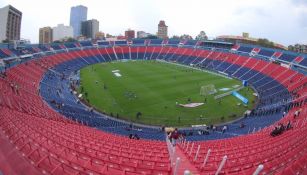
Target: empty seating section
<point x="51" y="161"/>
<point x="256" y="50"/>
<point x="44" y="48"/>
<point x="56" y="47"/>
<point x="244" y="154"/>
<point x="173" y="42"/>
<point x="70" y="45"/>
<point x="235" y="47"/>
<point x="156" y="42"/>
<point x="66" y="148"/>
<point x="103" y="43"/>
<point x="266" y="52"/>
<point x="120" y="42"/>
<point x="287" y="57"/>
<point x="304" y="62"/>
<point x="190" y="42"/>
<point x="138" y="42"/>
<point x="58" y="135"/>
<point x="5" y="53"/>
<point x="243" y="48"/>
<point x="86" y="43"/>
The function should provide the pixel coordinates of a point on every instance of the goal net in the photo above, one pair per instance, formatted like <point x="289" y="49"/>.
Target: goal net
<point x="207" y="90"/>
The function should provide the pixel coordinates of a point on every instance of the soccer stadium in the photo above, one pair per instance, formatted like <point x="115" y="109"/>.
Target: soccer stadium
<point x="152" y="106"/>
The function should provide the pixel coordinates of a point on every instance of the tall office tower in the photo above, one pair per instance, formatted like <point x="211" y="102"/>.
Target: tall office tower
<point x="130" y="34"/>
<point x="45" y="35"/>
<point x="162" y="30"/>
<point x="61" y="32"/>
<point x="77" y="15"/>
<point x="10" y="23"/>
<point x="90" y="28"/>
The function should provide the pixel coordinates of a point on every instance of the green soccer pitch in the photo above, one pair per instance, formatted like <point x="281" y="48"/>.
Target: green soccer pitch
<point x="147" y="92"/>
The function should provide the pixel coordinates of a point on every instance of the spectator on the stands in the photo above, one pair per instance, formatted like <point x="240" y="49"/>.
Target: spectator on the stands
<point x="200" y="132"/>
<point x="284" y="114"/>
<point x="275" y="132"/>
<point x="211" y="126"/>
<point x="224" y="129"/>
<point x="163" y="128"/>
<point x="204" y="131"/>
<point x="281" y="127"/>
<point x="136" y="137"/>
<point x="295" y="114"/>
<point x="242" y="125"/>
<point x="289" y="126"/>
<point x="174" y="136"/>
<point x="299" y="112"/>
<point x="184" y="134"/>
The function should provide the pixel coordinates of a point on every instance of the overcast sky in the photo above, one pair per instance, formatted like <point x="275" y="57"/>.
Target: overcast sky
<point x="282" y="21"/>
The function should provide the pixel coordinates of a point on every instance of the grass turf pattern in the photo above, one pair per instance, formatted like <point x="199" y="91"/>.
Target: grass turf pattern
<point x="152" y="88"/>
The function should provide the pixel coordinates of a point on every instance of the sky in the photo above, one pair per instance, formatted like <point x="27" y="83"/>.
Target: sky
<point x="282" y="21"/>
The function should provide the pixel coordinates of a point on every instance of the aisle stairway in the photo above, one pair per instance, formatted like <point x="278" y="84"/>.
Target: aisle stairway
<point x="185" y="164"/>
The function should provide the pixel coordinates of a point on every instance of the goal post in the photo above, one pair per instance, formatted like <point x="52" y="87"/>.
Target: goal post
<point x="207" y="90"/>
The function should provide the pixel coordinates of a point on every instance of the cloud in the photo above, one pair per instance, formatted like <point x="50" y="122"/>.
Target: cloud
<point x="299" y="2"/>
<point x="257" y="11"/>
<point x="283" y="21"/>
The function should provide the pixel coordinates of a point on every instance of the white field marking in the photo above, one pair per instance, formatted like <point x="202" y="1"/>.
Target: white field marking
<point x="117" y="74"/>
<point x="203" y="70"/>
<point x="224" y="89"/>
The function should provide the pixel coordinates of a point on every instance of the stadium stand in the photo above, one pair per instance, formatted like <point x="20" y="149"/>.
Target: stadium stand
<point x="56" y="134"/>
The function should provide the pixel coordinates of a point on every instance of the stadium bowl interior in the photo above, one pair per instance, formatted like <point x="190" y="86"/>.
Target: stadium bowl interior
<point x="49" y="131"/>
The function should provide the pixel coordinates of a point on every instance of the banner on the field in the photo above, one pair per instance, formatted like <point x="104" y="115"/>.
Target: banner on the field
<point x="240" y="97"/>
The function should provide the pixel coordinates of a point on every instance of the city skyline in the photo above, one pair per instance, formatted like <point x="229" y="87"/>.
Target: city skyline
<point x="281" y="21"/>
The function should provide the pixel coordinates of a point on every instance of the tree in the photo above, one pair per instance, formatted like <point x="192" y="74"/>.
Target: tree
<point x="265" y="42"/>
<point x="151" y="37"/>
<point x="291" y="47"/>
<point x="175" y="37"/>
<point x="201" y="36"/>
<point x="57" y="41"/>
<point x="109" y="35"/>
<point x="70" y="39"/>
<point x="5" y="41"/>
<point x="186" y="37"/>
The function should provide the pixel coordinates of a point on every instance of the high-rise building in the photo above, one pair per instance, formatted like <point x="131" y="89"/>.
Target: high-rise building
<point x="45" y="35"/>
<point x="10" y="23"/>
<point x="162" y="30"/>
<point x="61" y="32"/>
<point x="89" y="28"/>
<point x="130" y="34"/>
<point x="77" y="15"/>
